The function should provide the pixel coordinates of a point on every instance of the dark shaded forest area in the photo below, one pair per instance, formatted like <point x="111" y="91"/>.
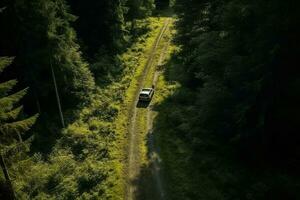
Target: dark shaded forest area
<point x="231" y="131"/>
<point x="245" y="54"/>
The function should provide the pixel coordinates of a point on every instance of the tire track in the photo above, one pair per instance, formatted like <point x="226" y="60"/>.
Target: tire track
<point x="133" y="152"/>
<point x="154" y="152"/>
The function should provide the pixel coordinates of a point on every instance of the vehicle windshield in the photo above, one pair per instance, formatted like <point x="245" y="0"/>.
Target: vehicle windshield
<point x="144" y="95"/>
<point x="146" y="90"/>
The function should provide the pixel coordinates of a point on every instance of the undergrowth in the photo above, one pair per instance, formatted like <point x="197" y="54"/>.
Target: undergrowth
<point x="87" y="162"/>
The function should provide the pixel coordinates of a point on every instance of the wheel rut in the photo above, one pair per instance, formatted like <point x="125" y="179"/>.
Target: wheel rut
<point x="133" y="165"/>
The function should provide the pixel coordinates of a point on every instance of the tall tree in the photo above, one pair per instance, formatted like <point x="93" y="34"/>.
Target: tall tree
<point x="11" y="127"/>
<point x="234" y="53"/>
<point x="240" y="77"/>
<point x="100" y="25"/>
<point x="162" y="4"/>
<point x="138" y="9"/>
<point x="46" y="38"/>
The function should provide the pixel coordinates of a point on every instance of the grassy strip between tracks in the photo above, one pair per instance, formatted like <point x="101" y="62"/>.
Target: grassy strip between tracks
<point x="138" y="61"/>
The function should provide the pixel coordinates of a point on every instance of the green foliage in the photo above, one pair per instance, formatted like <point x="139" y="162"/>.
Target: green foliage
<point x="239" y="83"/>
<point x="139" y="9"/>
<point x="10" y="126"/>
<point x="162" y="4"/>
<point x="232" y="119"/>
<point x="100" y="26"/>
<point x="80" y="161"/>
<point x="229" y="59"/>
<point x="105" y="29"/>
<point x="4" y="62"/>
<point x="84" y="160"/>
<point x="46" y="38"/>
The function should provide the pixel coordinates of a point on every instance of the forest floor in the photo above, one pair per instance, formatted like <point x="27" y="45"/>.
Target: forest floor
<point x="142" y="171"/>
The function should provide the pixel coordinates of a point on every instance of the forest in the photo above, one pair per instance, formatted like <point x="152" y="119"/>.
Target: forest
<point x="223" y="123"/>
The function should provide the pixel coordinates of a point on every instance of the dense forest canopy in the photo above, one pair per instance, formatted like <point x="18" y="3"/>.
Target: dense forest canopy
<point x="239" y="70"/>
<point x="230" y="130"/>
<point x="100" y="24"/>
<point x="242" y="59"/>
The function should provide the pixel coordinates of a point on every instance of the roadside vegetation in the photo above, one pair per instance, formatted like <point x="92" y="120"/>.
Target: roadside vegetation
<point x="78" y="78"/>
<point x="88" y="159"/>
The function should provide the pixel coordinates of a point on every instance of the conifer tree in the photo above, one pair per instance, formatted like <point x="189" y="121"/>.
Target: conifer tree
<point x="11" y="127"/>
<point x="48" y="39"/>
<point x="138" y="9"/>
<point x="100" y="25"/>
<point x="235" y="53"/>
<point x="161" y="4"/>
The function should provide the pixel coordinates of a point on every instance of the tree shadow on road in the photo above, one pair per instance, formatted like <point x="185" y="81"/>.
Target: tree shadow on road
<point x="143" y="104"/>
<point x="146" y="183"/>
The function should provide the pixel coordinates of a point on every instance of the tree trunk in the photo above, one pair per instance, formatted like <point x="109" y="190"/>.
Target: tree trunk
<point x="6" y="175"/>
<point x="57" y="97"/>
<point x="38" y="105"/>
<point x="132" y="25"/>
<point x="20" y="138"/>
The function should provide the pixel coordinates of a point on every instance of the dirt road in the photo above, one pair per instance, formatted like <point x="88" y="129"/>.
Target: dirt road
<point x="140" y="126"/>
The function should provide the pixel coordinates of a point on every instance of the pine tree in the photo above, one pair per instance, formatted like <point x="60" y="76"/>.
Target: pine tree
<point x="117" y="24"/>
<point x="138" y="9"/>
<point x="100" y="25"/>
<point x="11" y="127"/>
<point x="161" y="4"/>
<point x="48" y="39"/>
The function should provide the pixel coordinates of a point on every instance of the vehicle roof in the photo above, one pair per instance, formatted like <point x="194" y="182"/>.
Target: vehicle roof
<point x="146" y="90"/>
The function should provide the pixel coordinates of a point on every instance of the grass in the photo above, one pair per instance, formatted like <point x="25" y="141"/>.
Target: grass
<point x="148" y="83"/>
<point x="147" y="188"/>
<point x="89" y="160"/>
<point x="126" y="113"/>
<point x="123" y="119"/>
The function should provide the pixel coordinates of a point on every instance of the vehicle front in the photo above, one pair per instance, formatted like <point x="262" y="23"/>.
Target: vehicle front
<point x="145" y="95"/>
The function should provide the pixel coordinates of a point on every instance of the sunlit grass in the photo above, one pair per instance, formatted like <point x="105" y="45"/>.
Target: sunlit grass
<point x="136" y="58"/>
